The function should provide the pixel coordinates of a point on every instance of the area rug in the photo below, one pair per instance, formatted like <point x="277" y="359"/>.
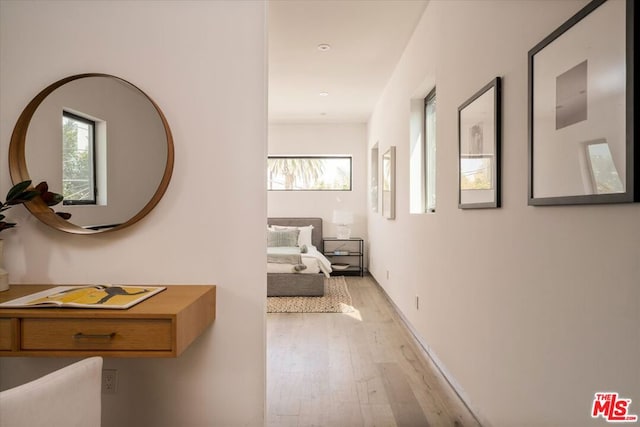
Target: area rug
<point x="336" y="299"/>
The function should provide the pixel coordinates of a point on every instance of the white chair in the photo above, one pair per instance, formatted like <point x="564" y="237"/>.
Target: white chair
<point x="69" y="397"/>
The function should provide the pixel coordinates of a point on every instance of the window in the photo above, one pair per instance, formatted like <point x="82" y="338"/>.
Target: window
<point x="430" y="151"/>
<point x="329" y="173"/>
<point x="417" y="158"/>
<point x="422" y="154"/>
<point x="78" y="160"/>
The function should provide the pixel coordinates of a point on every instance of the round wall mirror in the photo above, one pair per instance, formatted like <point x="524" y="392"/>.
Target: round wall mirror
<point x="99" y="141"/>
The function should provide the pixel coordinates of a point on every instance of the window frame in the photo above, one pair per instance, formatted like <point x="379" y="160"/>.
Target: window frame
<point x="350" y="158"/>
<point x="92" y="151"/>
<point x="428" y="207"/>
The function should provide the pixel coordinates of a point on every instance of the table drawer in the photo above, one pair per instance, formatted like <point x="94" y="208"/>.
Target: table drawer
<point x="6" y="334"/>
<point x="96" y="334"/>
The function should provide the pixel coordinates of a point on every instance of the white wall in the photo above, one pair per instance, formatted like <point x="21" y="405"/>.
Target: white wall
<point x="323" y="139"/>
<point x="204" y="63"/>
<point x="530" y="309"/>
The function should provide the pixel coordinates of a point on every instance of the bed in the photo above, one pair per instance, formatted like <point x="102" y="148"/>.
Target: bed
<point x="282" y="281"/>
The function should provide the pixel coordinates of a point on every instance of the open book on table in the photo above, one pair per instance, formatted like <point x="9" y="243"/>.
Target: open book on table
<point x="93" y="296"/>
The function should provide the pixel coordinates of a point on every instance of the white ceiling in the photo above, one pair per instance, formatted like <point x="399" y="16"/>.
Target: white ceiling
<point x="367" y="38"/>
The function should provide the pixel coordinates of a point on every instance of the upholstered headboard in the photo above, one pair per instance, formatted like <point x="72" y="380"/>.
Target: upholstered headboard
<point x="316" y="233"/>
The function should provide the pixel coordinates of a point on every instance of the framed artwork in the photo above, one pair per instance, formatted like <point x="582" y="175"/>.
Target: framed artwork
<point x="581" y="109"/>
<point x="479" y="136"/>
<point x="389" y="183"/>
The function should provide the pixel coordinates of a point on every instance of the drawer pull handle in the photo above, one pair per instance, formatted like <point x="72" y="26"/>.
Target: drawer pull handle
<point x="81" y="336"/>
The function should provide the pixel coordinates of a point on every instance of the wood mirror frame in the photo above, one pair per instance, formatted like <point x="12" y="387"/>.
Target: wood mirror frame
<point x="19" y="172"/>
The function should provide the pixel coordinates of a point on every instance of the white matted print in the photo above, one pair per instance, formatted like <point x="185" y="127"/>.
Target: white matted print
<point x="578" y="80"/>
<point x="479" y="143"/>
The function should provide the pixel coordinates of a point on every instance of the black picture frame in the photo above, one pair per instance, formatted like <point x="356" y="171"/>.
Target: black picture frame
<point x="581" y="109"/>
<point x="479" y="148"/>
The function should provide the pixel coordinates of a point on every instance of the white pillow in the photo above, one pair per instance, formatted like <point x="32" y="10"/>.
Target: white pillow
<point x="304" y="238"/>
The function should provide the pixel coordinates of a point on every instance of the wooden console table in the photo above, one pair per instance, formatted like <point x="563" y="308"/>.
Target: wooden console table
<point x="161" y="326"/>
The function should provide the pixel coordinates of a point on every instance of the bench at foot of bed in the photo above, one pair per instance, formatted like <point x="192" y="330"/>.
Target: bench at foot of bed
<point x="295" y="285"/>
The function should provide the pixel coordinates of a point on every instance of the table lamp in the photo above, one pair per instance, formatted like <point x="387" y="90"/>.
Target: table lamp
<point x="343" y="219"/>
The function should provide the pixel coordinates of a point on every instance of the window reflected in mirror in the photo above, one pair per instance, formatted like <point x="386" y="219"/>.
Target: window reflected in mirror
<point x="78" y="160"/>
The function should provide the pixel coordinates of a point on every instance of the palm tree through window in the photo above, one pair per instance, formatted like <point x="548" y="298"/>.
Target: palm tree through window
<point x="331" y="173"/>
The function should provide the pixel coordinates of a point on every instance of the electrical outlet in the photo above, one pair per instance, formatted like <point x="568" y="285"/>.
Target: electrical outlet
<point x="109" y="381"/>
<point x="417" y="302"/>
<point x="387" y="274"/>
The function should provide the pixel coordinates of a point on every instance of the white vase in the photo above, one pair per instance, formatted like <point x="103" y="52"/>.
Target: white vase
<point x="4" y="276"/>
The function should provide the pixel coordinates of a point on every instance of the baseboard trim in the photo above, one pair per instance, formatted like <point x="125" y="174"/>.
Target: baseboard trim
<point x="430" y="354"/>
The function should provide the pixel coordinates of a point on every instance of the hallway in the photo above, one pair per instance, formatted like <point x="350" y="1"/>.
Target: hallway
<point x="356" y="369"/>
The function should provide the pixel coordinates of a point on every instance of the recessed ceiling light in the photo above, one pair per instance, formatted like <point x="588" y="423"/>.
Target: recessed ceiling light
<point x="323" y="114"/>
<point x="323" y="47"/>
<point x="324" y="94"/>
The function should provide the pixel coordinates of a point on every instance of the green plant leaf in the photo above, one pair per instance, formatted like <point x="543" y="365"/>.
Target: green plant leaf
<point x="52" y="199"/>
<point x="17" y="189"/>
<point x="22" y="193"/>
<point x="23" y="197"/>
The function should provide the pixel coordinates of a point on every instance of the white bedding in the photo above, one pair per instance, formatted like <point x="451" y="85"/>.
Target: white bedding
<point x="313" y="259"/>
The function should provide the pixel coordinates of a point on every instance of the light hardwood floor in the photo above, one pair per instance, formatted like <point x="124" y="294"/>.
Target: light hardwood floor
<point x="356" y="369"/>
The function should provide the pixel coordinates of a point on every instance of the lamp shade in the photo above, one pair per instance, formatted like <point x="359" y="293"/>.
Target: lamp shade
<point x="342" y="217"/>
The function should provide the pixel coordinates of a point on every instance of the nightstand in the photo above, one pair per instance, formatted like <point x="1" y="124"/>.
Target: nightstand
<point x="346" y="255"/>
